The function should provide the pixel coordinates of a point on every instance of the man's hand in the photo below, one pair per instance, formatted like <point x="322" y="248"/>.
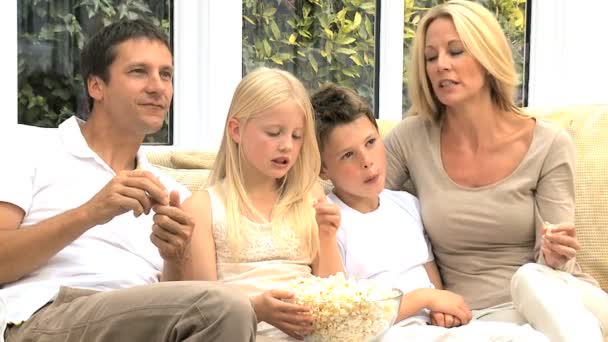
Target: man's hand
<point x="328" y="218"/>
<point x="559" y="244"/>
<point x="294" y="320"/>
<point x="135" y="190"/>
<point x="172" y="230"/>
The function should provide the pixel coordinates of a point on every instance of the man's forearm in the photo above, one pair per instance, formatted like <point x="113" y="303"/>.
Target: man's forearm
<point x="25" y="249"/>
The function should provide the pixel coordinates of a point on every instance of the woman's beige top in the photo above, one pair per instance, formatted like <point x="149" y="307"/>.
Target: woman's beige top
<point x="481" y="236"/>
<point x="262" y="261"/>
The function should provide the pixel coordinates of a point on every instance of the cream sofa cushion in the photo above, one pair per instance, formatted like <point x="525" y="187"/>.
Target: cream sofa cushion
<point x="588" y="126"/>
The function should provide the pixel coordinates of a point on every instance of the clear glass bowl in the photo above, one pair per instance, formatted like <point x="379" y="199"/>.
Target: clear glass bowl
<point x="359" y="321"/>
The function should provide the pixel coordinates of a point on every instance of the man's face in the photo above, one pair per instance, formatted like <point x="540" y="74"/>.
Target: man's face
<point x="138" y="93"/>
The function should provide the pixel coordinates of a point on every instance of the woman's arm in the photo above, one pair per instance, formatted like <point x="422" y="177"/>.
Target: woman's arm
<point x="201" y="264"/>
<point x="433" y="272"/>
<point x="554" y="198"/>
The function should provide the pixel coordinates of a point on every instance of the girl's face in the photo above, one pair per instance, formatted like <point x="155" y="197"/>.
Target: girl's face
<point x="456" y="77"/>
<point x="271" y="141"/>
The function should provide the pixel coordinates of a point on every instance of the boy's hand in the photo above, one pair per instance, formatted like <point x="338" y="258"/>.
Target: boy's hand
<point x="559" y="244"/>
<point x="293" y="319"/>
<point x="328" y="218"/>
<point x="445" y="320"/>
<point x="449" y="303"/>
<point x="172" y="230"/>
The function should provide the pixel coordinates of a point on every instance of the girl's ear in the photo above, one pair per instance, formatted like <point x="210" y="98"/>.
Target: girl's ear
<point x="234" y="130"/>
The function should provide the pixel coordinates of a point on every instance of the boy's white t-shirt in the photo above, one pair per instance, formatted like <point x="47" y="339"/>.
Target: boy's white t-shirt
<point x="387" y="244"/>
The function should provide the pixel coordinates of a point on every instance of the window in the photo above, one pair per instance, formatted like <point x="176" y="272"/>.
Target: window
<point x="50" y="37"/>
<point x="316" y="40"/>
<point x="512" y="16"/>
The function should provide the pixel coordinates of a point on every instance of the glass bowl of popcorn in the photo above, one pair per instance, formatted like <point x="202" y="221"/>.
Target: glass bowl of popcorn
<point x="345" y="309"/>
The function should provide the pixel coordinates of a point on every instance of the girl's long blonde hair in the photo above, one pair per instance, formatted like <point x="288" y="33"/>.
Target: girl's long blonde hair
<point x="483" y="38"/>
<point x="257" y="92"/>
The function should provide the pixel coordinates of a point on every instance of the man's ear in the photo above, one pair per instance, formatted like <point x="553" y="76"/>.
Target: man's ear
<point x="96" y="86"/>
<point x="234" y="130"/>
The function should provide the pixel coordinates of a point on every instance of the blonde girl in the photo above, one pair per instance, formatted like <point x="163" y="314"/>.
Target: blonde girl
<point x="257" y="224"/>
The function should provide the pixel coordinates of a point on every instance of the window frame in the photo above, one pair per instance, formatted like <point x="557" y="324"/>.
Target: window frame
<point x="206" y="79"/>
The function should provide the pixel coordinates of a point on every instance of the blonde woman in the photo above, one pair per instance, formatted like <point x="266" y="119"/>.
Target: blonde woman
<point x="255" y="224"/>
<point x="488" y="176"/>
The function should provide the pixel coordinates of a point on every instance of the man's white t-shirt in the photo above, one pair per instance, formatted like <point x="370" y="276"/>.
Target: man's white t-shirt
<point x="51" y="171"/>
<point x="387" y="244"/>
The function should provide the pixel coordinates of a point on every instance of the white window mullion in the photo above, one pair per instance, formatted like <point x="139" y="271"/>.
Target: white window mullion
<point x="208" y="43"/>
<point x="391" y="60"/>
<point x="8" y="41"/>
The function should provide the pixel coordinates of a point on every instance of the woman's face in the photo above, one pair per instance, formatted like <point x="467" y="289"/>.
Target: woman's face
<point x="456" y="77"/>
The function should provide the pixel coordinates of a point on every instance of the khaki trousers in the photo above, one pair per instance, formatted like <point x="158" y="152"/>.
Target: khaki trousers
<point x="167" y="311"/>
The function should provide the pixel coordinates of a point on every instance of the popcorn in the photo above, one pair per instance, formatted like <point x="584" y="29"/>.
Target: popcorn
<point x="346" y="310"/>
<point x="547" y="227"/>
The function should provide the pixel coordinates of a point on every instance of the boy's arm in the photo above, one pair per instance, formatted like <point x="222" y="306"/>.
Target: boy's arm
<point x="434" y="300"/>
<point x="433" y="273"/>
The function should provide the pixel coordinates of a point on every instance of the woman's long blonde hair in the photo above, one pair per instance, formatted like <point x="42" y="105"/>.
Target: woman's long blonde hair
<point x="257" y="92"/>
<point x="483" y="38"/>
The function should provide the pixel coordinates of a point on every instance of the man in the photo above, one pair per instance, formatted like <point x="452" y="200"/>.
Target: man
<point x="88" y="227"/>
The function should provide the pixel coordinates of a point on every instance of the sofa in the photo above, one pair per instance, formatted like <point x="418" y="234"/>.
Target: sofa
<point x="588" y="126"/>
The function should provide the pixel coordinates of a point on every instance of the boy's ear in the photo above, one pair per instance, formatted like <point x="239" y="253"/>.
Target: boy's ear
<point x="323" y="173"/>
<point x="234" y="130"/>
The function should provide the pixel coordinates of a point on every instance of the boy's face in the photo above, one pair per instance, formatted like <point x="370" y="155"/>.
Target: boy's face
<point x="354" y="160"/>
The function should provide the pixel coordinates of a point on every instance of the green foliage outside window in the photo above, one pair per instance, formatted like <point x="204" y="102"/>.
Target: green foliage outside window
<point x="317" y="40"/>
<point x="511" y="15"/>
<point x="51" y="34"/>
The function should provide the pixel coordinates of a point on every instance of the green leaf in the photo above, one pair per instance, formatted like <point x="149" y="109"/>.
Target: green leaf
<point x="269" y="12"/>
<point x="267" y="48"/>
<point x="356" y="21"/>
<point x="292" y="39"/>
<point x="249" y="20"/>
<point x="275" y="30"/>
<point x="346" y="51"/>
<point x="343" y="40"/>
<point x="276" y="59"/>
<point x="355" y="58"/>
<point x="313" y="62"/>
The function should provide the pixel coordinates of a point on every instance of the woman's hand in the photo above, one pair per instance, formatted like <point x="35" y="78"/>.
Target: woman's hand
<point x="559" y="244"/>
<point x="293" y="319"/>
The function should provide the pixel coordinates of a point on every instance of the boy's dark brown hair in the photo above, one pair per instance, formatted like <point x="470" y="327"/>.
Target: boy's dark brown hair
<point x="335" y="105"/>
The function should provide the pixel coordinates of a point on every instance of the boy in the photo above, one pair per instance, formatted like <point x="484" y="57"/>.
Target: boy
<point x="371" y="244"/>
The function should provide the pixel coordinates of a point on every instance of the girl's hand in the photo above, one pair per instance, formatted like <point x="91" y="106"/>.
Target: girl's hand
<point x="559" y="244"/>
<point x="293" y="319"/>
<point x="328" y="218"/>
